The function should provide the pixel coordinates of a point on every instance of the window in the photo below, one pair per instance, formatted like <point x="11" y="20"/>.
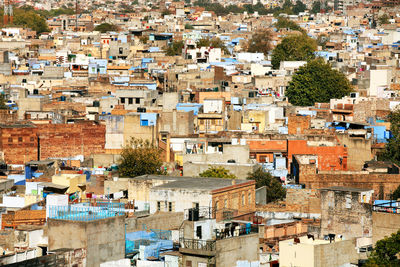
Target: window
<point x="158" y="205"/>
<point x="137" y="100"/>
<point x="121" y="50"/>
<point x="243" y="201"/>
<point x="19" y="139"/>
<point x="122" y="100"/>
<point x="198" y="232"/>
<point x="216" y="205"/>
<point x="249" y="198"/>
<point x="10" y="139"/>
<point x="130" y="100"/>
<point x="196" y="205"/>
<point x="32" y="139"/>
<point x="225" y="203"/>
<point x="188" y="263"/>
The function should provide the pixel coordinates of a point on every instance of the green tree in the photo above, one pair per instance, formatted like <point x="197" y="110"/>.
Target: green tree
<point x="317" y="82"/>
<point x="212" y="42"/>
<point x="384" y="19"/>
<point x="217" y="172"/>
<point x="392" y="148"/>
<point x="396" y="194"/>
<point x="189" y="26"/>
<point x="385" y="252"/>
<point x="299" y="7"/>
<point x="139" y="157"/>
<point x="175" y="48"/>
<point x="284" y="23"/>
<point x="30" y="19"/>
<point x="3" y="102"/>
<point x="275" y="190"/>
<point x="260" y="42"/>
<point x="316" y="7"/>
<point x="106" y="27"/>
<point x="294" y="48"/>
<point x="322" y="39"/>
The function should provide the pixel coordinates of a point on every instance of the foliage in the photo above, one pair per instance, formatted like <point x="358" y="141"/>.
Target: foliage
<point x="384" y="19"/>
<point x="212" y="42"/>
<point x="189" y="26"/>
<point x="144" y="39"/>
<point x="260" y="42"/>
<point x="392" y="148"/>
<point x="284" y="23"/>
<point x="385" y="252"/>
<point x="139" y="157"/>
<point x="217" y="172"/>
<point x="316" y="7"/>
<point x="294" y="48"/>
<point x="322" y="40"/>
<point x="317" y="82"/>
<point x="396" y="194"/>
<point x="175" y="48"/>
<point x="106" y="27"/>
<point x="3" y="102"/>
<point x="299" y="7"/>
<point x="30" y="19"/>
<point x="274" y="188"/>
<point x="165" y="12"/>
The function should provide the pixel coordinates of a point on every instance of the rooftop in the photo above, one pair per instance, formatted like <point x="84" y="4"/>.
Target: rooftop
<point x="344" y="189"/>
<point x="199" y="183"/>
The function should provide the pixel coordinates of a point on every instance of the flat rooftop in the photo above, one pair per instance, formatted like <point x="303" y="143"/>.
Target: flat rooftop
<point x="344" y="189"/>
<point x="182" y="182"/>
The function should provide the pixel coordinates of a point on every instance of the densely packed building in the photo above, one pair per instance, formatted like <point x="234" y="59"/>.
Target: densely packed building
<point x="183" y="76"/>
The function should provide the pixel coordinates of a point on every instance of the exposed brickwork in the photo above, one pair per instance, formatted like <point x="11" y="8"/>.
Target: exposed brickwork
<point x="69" y="140"/>
<point x="18" y="143"/>
<point x="23" y="217"/>
<point x="297" y="124"/>
<point x="382" y="184"/>
<point x="303" y="200"/>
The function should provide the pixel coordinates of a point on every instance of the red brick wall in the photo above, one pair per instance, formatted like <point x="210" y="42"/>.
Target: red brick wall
<point x="297" y="124"/>
<point x="382" y="184"/>
<point x="18" y="144"/>
<point x="68" y="140"/>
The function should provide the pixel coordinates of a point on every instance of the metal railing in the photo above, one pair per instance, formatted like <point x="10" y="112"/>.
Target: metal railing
<point x="83" y="213"/>
<point x="389" y="206"/>
<point x="197" y="244"/>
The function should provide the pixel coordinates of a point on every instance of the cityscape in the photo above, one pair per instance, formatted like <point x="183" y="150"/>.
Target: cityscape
<point x="200" y="133"/>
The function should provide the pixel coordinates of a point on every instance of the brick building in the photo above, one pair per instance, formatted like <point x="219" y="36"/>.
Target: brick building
<point x="298" y="124"/>
<point x="18" y="143"/>
<point x="70" y="140"/>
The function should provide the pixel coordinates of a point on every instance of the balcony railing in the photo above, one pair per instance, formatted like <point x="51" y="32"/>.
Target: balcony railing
<point x="197" y="244"/>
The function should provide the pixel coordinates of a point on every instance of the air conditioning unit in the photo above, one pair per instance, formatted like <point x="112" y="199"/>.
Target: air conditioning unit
<point x="251" y="120"/>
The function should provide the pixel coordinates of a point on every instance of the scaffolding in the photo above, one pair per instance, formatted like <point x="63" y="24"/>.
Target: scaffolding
<point x="84" y="212"/>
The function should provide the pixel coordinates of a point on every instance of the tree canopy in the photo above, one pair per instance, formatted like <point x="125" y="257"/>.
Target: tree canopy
<point x="275" y="190"/>
<point x="392" y="148"/>
<point x="175" y="48"/>
<point x="212" y="42"/>
<point x="384" y="19"/>
<point x="217" y="172"/>
<point x="106" y="27"/>
<point x="284" y="23"/>
<point x="260" y="42"/>
<point x="294" y="48"/>
<point x="139" y="157"/>
<point x="299" y="7"/>
<point x="317" y="82"/>
<point x="29" y="18"/>
<point x="316" y="7"/>
<point x="396" y="194"/>
<point x="385" y="252"/>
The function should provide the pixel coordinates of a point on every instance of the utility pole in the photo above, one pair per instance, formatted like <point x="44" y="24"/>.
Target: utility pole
<point x="76" y="15"/>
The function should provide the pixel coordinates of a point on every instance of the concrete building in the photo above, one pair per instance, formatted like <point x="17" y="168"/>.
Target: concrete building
<point x="310" y="252"/>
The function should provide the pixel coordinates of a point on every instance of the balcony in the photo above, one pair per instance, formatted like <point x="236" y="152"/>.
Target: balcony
<point x="198" y="247"/>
